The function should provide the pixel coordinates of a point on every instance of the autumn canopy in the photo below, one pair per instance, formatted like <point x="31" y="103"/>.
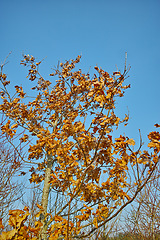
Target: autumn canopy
<point x="65" y="125"/>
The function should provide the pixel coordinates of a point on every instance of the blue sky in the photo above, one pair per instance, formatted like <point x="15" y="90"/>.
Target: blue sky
<point x="102" y="31"/>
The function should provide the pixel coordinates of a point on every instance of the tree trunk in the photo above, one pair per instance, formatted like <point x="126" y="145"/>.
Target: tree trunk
<point x="45" y="195"/>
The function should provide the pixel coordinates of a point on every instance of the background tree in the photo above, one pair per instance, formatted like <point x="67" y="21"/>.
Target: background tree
<point x="144" y="218"/>
<point x="68" y="127"/>
<point x="10" y="189"/>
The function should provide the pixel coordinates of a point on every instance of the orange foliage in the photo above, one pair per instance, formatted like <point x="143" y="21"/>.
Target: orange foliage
<point x="72" y="122"/>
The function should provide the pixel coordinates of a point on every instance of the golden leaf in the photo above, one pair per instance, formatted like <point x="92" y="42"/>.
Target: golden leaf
<point x="131" y="142"/>
<point x="58" y="218"/>
<point x="95" y="222"/>
<point x="39" y="206"/>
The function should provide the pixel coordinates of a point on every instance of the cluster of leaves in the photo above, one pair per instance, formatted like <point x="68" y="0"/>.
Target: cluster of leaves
<point x="20" y="231"/>
<point x="72" y="123"/>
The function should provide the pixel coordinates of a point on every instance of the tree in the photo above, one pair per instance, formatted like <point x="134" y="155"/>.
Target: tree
<point x="67" y="127"/>
<point x="10" y="191"/>
<point x="144" y="219"/>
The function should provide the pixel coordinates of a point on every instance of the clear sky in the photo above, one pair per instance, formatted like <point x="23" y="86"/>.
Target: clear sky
<point x="102" y="31"/>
